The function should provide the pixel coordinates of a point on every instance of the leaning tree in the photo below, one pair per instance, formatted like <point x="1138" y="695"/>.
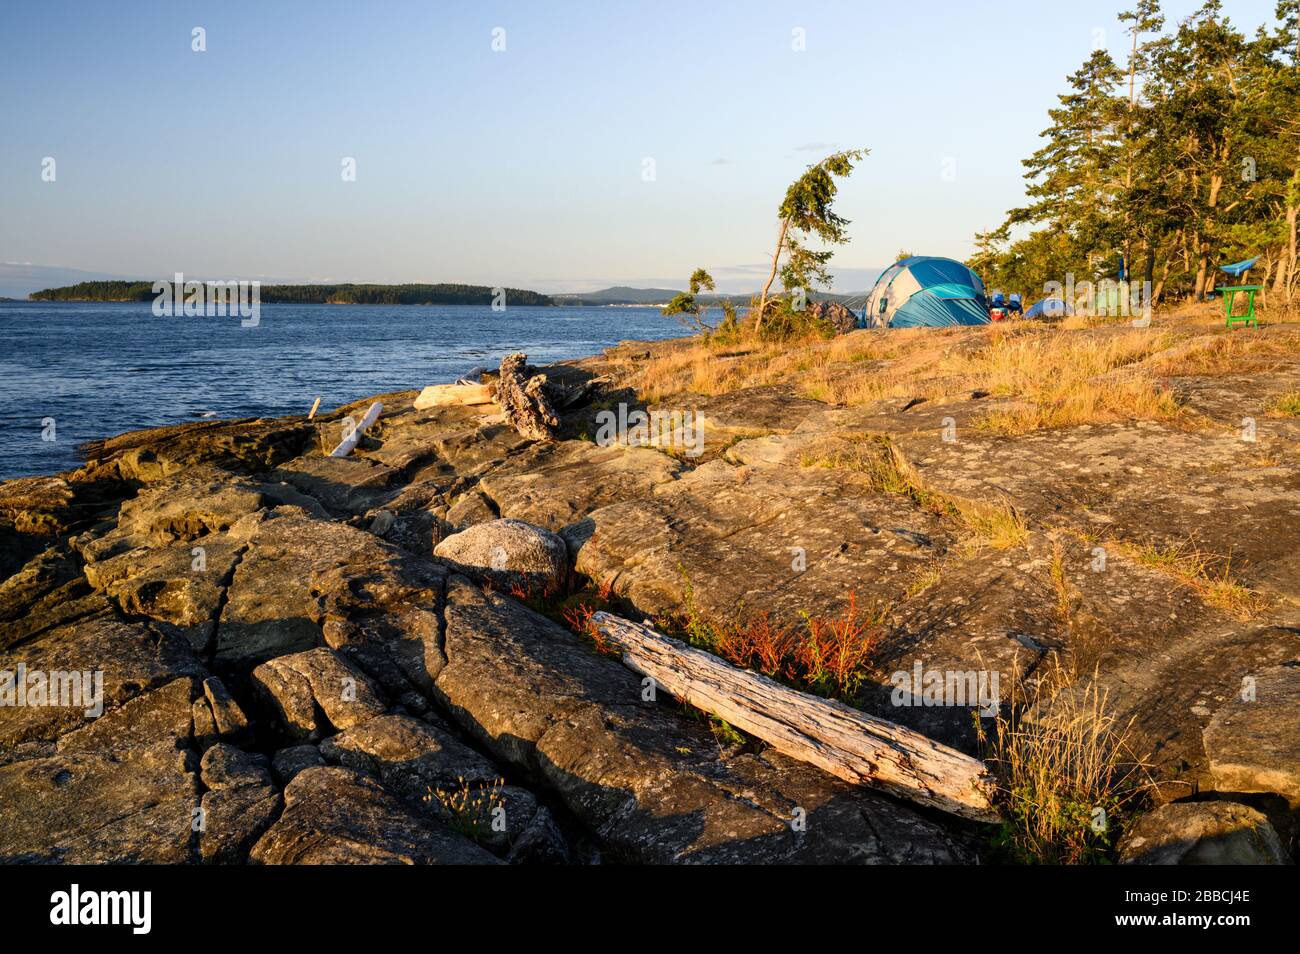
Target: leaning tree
<point x="806" y="212"/>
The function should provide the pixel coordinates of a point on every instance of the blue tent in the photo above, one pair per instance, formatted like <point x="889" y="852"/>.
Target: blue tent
<point x="1049" y="308"/>
<point x="926" y="292"/>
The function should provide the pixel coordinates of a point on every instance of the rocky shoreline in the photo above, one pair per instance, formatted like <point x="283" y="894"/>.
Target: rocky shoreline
<point x="315" y="659"/>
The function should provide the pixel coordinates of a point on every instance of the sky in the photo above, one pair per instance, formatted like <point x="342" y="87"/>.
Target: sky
<point x="607" y="143"/>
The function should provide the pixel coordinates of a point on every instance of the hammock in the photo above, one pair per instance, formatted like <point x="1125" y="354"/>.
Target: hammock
<point x="1238" y="268"/>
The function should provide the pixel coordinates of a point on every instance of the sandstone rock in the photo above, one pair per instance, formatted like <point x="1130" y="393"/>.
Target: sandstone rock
<point x="335" y="816"/>
<point x="288" y="762"/>
<point x="180" y="586"/>
<point x="1254" y="744"/>
<point x="554" y="484"/>
<point x="779" y="540"/>
<point x="344" y="485"/>
<point x="410" y="756"/>
<point x="508" y="552"/>
<point x="132" y="658"/>
<point x="205" y="726"/>
<point x="230" y="721"/>
<point x="163" y="714"/>
<point x="48" y="591"/>
<point x="298" y="574"/>
<point x="313" y="690"/>
<point x="179" y="509"/>
<point x="240" y="804"/>
<point x="470" y="508"/>
<point x="540" y="843"/>
<point x="245" y="445"/>
<point x="40" y="506"/>
<point x="1207" y="833"/>
<point x="90" y="807"/>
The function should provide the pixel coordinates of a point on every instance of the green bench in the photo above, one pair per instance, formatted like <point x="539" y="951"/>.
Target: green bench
<point x="1248" y="317"/>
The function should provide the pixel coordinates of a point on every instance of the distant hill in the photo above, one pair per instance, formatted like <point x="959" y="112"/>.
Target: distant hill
<point x="618" y="295"/>
<point x="348" y="294"/>
<point x="625" y="295"/>
<point x="17" y="281"/>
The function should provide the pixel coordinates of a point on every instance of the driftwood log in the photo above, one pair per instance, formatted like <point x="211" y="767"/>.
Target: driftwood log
<point x="841" y="740"/>
<point x="353" y="437"/>
<point x="444" y="395"/>
<point x="521" y="394"/>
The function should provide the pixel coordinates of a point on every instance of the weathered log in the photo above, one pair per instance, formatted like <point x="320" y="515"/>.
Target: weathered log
<point x="442" y="395"/>
<point x="520" y="392"/>
<point x="837" y="738"/>
<point x="351" y="438"/>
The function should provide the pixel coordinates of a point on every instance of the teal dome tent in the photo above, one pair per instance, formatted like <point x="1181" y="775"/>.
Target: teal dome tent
<point x="926" y="292"/>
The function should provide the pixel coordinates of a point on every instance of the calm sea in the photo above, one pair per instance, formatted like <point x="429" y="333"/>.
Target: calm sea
<point x="100" y="369"/>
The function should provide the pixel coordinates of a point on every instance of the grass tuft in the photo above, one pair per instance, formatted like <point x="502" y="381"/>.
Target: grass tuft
<point x="1208" y="575"/>
<point x="1067" y="778"/>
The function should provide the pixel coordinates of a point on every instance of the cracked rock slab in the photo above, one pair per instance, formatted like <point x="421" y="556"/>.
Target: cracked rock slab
<point x="311" y="691"/>
<point x="337" y="816"/>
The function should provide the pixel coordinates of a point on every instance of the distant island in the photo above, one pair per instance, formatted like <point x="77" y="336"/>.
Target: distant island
<point x="348" y="294"/>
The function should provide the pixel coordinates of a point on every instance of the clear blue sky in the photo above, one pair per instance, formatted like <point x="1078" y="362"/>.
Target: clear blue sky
<point x="522" y="167"/>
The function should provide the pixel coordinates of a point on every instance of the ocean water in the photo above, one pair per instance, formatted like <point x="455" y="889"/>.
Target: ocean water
<point x="98" y="369"/>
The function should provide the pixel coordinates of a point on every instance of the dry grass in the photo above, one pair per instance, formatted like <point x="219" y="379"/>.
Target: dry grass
<point x="1208" y="575"/>
<point x="700" y="367"/>
<point x="470" y="810"/>
<point x="997" y="524"/>
<point x="1104" y="370"/>
<point x="1287" y="405"/>
<point x="1067" y="776"/>
<point x="1066" y="381"/>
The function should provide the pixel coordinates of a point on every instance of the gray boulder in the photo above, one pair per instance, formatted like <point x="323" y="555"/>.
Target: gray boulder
<point x="1202" y="833"/>
<point x="508" y="553"/>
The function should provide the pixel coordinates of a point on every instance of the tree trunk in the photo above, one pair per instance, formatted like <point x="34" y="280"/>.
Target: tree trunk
<point x="1203" y="275"/>
<point x="762" y="301"/>
<point x="1286" y="271"/>
<point x="522" y="396"/>
<point x="843" y="741"/>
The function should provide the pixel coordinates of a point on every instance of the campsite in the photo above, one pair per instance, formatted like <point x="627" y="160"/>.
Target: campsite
<point x="649" y="437"/>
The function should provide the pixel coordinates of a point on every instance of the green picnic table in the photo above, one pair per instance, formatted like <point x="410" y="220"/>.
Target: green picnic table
<point x="1248" y="318"/>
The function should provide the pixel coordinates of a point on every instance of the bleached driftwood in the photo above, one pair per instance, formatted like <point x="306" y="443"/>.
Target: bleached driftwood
<point x="350" y="440"/>
<point x="842" y="740"/>
<point x="442" y="395"/>
<point x="521" y="393"/>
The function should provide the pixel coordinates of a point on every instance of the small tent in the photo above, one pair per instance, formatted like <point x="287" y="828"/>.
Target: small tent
<point x="926" y="292"/>
<point x="1049" y="308"/>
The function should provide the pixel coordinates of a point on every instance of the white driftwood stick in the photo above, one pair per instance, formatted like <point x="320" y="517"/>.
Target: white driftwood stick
<point x="843" y="741"/>
<point x="349" y="442"/>
<point x="314" y="408"/>
<point x="441" y="395"/>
